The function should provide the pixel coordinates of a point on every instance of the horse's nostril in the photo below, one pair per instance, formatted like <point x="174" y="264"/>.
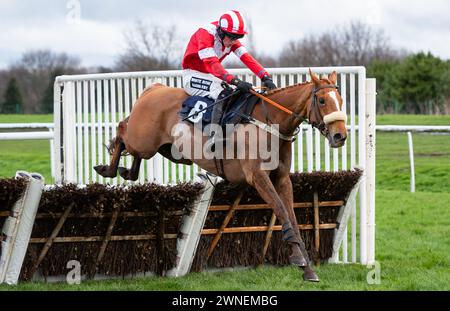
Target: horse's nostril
<point x="338" y="137"/>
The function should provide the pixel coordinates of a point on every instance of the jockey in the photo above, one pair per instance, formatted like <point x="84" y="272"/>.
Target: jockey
<point x="203" y="72"/>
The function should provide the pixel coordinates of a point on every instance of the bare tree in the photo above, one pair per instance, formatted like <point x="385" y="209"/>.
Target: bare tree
<point x="34" y="72"/>
<point x="150" y="47"/>
<point x="354" y="44"/>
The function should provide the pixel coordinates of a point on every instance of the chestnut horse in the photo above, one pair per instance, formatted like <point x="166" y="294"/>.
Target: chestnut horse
<point x="149" y="129"/>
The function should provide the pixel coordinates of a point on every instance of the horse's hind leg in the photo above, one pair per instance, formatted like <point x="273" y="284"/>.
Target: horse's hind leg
<point x="133" y="172"/>
<point x="117" y="147"/>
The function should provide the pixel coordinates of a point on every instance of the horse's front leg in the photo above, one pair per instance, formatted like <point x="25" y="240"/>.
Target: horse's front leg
<point x="261" y="182"/>
<point x="283" y="186"/>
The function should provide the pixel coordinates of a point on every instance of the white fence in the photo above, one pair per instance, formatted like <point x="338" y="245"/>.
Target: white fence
<point x="89" y="107"/>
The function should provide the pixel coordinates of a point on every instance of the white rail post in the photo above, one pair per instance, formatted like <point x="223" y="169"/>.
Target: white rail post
<point x="362" y="162"/>
<point x="370" y="166"/>
<point x="69" y="173"/>
<point x="57" y="148"/>
<point x="411" y="162"/>
<point x="52" y="155"/>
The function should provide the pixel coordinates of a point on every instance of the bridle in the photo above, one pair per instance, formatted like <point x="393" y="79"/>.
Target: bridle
<point x="319" y="121"/>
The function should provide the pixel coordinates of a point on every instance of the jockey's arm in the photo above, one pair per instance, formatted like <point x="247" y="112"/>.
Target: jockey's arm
<point x="215" y="68"/>
<point x="208" y="56"/>
<point x="251" y="63"/>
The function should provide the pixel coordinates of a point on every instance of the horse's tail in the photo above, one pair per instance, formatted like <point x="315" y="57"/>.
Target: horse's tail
<point x="113" y="143"/>
<point x="119" y="139"/>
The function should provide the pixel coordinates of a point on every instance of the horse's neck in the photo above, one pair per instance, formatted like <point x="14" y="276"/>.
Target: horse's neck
<point x="294" y="98"/>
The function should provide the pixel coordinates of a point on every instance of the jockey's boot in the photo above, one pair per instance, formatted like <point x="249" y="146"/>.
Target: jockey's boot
<point x="216" y="118"/>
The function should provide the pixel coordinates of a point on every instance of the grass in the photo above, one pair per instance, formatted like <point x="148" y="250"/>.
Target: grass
<point x="412" y="233"/>
<point x="26" y="118"/>
<point x="411" y="119"/>
<point x="31" y="156"/>
<point x="431" y="162"/>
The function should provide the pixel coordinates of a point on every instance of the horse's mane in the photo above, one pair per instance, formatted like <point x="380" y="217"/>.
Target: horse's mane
<point x="294" y="86"/>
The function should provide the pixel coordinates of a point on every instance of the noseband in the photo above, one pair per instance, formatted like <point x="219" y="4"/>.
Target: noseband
<point x="319" y="121"/>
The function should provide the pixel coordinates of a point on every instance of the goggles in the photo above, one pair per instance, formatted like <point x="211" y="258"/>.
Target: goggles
<point x="233" y="36"/>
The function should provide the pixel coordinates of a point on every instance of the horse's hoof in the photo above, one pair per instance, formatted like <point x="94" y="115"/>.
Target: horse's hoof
<point x="103" y="170"/>
<point x="124" y="172"/>
<point x="297" y="260"/>
<point x="100" y="168"/>
<point x="309" y="275"/>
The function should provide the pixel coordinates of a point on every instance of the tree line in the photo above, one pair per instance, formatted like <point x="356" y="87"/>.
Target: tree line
<point x="406" y="82"/>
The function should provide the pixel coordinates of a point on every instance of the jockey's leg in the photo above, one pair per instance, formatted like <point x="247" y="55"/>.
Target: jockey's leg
<point x="206" y="85"/>
<point x="217" y="114"/>
<point x="197" y="83"/>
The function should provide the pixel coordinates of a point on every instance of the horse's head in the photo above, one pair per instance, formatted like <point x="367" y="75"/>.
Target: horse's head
<point x="325" y="110"/>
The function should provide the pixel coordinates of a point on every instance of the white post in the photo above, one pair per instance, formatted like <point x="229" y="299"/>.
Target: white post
<point x="340" y="233"/>
<point x="56" y="151"/>
<point x="52" y="155"/>
<point x="411" y="161"/>
<point x="309" y="148"/>
<point x="69" y="134"/>
<point x="370" y="167"/>
<point x="191" y="229"/>
<point x="17" y="228"/>
<point x="362" y="163"/>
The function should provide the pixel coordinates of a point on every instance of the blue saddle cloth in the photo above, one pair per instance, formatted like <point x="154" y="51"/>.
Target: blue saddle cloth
<point x="193" y="108"/>
<point x="198" y="110"/>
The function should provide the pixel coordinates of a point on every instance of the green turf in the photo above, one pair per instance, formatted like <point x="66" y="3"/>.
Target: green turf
<point x="431" y="162"/>
<point x="28" y="155"/>
<point x="411" y="119"/>
<point x="26" y="118"/>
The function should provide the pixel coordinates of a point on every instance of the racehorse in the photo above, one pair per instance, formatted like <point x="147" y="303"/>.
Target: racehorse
<point x="149" y="129"/>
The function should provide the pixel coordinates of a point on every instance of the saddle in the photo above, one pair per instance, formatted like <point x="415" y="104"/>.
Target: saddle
<point x="198" y="110"/>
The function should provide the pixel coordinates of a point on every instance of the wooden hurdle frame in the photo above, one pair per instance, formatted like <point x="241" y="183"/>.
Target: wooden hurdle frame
<point x="192" y="228"/>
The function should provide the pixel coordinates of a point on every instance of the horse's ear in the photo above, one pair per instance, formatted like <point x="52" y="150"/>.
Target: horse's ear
<point x="314" y="78"/>
<point x="333" y="77"/>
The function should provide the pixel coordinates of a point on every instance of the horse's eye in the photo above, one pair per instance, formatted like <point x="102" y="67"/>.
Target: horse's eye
<point x="322" y="101"/>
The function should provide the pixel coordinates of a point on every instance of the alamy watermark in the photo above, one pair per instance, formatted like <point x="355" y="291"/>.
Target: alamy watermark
<point x="241" y="141"/>
<point x="74" y="275"/>
<point x="73" y="15"/>
<point x="374" y="275"/>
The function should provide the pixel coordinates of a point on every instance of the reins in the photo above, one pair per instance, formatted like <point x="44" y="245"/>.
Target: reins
<point x="273" y="103"/>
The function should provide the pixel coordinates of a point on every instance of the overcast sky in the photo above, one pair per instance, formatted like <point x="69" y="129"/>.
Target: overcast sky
<point x="97" y="36"/>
